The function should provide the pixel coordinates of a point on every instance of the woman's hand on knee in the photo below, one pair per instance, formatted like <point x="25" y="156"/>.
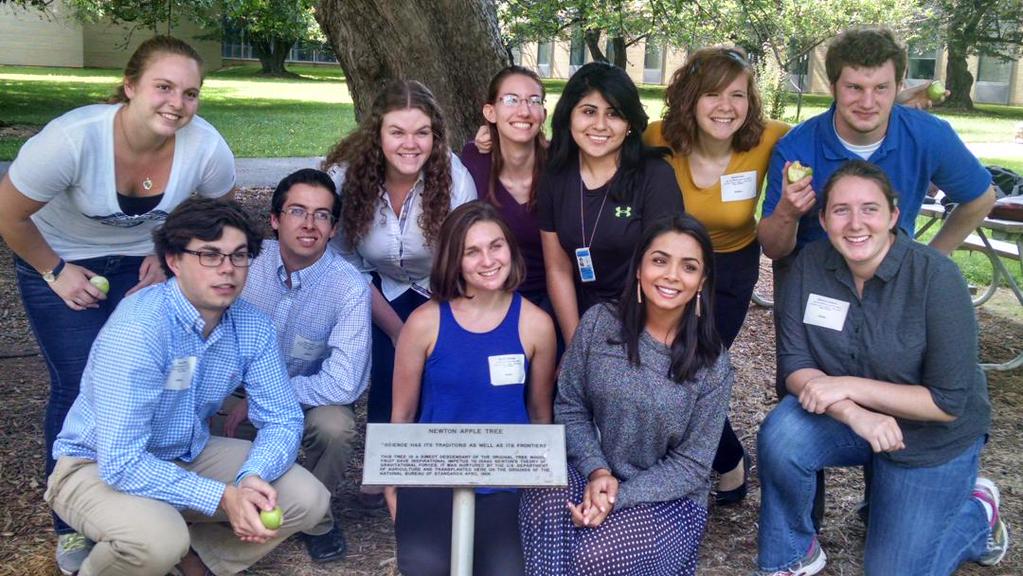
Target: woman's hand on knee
<point x="881" y="431"/>
<point x="819" y="393"/>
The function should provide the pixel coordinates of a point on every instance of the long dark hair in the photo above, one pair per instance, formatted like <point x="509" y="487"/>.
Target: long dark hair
<point x="697" y="344"/>
<point x="539" y="142"/>
<point x="615" y="86"/>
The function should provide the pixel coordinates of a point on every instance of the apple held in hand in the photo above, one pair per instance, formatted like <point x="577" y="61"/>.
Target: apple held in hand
<point x="100" y="282"/>
<point x="797" y="171"/>
<point x="936" y="91"/>
<point x="272" y="518"/>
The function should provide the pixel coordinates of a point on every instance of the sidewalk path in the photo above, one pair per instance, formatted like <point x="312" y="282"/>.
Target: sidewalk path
<point x="269" y="171"/>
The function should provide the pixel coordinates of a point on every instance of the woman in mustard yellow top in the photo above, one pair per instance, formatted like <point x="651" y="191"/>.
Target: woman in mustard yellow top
<point x="721" y="145"/>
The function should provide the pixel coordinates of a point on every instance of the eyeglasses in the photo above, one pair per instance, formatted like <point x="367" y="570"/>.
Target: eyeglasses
<point x="300" y="213"/>
<point x="513" y="101"/>
<point x="211" y="259"/>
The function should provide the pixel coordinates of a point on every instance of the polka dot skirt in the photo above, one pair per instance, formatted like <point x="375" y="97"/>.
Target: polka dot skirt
<point x="658" y="539"/>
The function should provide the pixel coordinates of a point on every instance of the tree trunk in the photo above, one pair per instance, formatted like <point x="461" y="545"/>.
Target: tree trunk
<point x="592" y="38"/>
<point x="958" y="80"/>
<point x="272" y="52"/>
<point x="452" y="46"/>
<point x="621" y="57"/>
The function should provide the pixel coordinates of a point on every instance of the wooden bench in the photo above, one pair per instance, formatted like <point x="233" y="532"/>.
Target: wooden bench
<point x="1001" y="247"/>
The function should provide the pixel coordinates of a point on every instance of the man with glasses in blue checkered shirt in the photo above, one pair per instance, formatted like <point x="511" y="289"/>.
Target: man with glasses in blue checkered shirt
<point x="138" y="472"/>
<point x="320" y="306"/>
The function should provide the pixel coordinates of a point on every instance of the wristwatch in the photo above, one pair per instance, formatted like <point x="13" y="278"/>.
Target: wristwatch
<point x="51" y="276"/>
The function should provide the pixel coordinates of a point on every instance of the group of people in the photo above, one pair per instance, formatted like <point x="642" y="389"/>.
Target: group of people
<point x="597" y="280"/>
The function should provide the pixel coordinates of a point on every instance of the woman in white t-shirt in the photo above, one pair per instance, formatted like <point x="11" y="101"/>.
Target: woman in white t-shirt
<point x="83" y="197"/>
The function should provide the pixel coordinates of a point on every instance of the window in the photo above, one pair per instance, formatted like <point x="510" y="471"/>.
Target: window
<point x="577" y="50"/>
<point x="653" y="62"/>
<point x="993" y="69"/>
<point x="544" y="51"/>
<point x="923" y="57"/>
<point x="609" y="50"/>
<point x="516" y="54"/>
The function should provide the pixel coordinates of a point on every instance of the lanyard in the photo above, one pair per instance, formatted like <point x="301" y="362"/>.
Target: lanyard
<point x="582" y="212"/>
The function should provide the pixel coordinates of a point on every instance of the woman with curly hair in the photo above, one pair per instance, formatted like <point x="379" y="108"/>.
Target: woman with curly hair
<point x="398" y="180"/>
<point x="721" y="144"/>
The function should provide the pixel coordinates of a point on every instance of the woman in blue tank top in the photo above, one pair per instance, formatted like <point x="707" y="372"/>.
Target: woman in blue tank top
<point x="477" y="353"/>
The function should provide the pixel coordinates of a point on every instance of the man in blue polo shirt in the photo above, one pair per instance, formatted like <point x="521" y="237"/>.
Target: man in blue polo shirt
<point x="320" y="306"/>
<point x="137" y="471"/>
<point x="865" y="68"/>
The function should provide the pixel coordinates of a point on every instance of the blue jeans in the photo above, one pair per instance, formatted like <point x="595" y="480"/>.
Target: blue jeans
<point x="378" y="409"/>
<point x="923" y="520"/>
<point x="65" y="336"/>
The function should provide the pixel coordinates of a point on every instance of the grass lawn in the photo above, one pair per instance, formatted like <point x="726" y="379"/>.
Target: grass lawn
<point x="268" y="117"/>
<point x="259" y="117"/>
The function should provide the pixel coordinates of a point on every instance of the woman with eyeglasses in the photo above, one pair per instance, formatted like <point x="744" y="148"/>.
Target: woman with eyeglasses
<point x="507" y="171"/>
<point x="398" y="180"/>
<point x="603" y="187"/>
<point x="721" y="144"/>
<point x="80" y="202"/>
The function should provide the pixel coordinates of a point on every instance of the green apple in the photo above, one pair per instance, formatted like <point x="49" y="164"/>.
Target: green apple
<point x="100" y="282"/>
<point x="797" y="171"/>
<point x="936" y="91"/>
<point x="272" y="518"/>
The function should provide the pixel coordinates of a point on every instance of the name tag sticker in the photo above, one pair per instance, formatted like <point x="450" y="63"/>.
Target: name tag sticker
<point x="181" y="372"/>
<point x="825" y="312"/>
<point x="584" y="261"/>
<point x="741" y="186"/>
<point x="507" y="369"/>
<point x="306" y="349"/>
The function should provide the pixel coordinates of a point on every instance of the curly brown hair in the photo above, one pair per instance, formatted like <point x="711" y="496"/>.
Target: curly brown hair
<point x="361" y="155"/>
<point x="709" y="70"/>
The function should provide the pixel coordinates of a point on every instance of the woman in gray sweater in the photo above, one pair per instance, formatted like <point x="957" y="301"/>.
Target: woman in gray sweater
<point x="643" y="393"/>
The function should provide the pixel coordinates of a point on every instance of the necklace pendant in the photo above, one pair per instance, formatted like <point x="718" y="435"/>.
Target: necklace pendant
<point x="147" y="184"/>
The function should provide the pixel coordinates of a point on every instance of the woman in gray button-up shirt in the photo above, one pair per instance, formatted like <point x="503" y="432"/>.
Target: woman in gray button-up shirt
<point x="879" y="355"/>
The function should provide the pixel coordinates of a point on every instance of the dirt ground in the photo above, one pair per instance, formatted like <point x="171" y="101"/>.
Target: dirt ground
<point x="27" y="540"/>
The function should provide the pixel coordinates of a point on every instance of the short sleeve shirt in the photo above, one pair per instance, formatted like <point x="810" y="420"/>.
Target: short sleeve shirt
<point x="728" y="207"/>
<point x="69" y="166"/>
<point x="918" y="149"/>
<point x="611" y="232"/>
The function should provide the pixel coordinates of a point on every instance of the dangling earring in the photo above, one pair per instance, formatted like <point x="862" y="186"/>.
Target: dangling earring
<point x="639" y="293"/>
<point x="697" y="304"/>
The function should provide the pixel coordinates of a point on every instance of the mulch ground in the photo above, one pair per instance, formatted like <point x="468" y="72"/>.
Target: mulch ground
<point x="27" y="540"/>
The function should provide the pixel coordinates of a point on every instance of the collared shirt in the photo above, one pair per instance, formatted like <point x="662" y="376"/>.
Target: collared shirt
<point x="322" y="321"/>
<point x="914" y="324"/>
<point x="918" y="149"/>
<point x="151" y="384"/>
<point x="394" y="245"/>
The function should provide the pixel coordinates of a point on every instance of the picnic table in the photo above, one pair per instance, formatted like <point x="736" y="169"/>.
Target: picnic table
<point x="1008" y="245"/>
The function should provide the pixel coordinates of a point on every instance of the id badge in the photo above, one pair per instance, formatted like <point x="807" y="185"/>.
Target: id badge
<point x="585" y="263"/>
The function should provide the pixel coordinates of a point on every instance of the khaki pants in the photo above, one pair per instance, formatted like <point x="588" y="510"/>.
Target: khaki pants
<point x="138" y="536"/>
<point x="327" y="440"/>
